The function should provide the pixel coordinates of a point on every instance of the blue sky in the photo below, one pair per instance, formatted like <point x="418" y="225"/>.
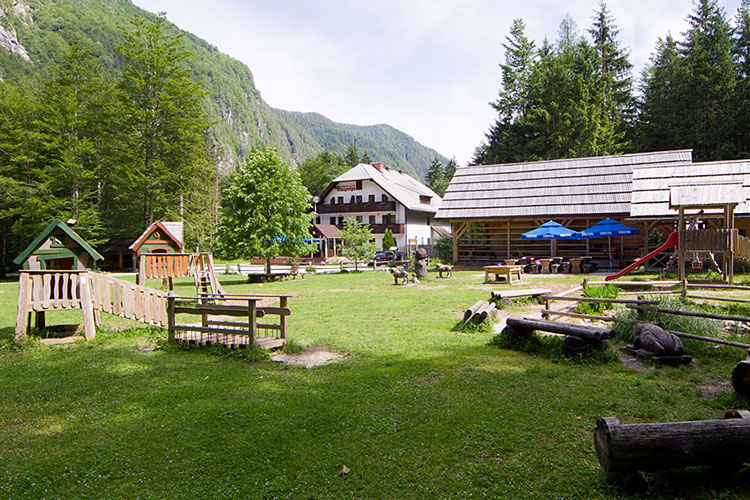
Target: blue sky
<point x="427" y="67"/>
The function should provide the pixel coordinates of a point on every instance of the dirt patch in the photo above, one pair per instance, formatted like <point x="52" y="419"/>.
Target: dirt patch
<point x="715" y="387"/>
<point x="309" y="358"/>
<point x="633" y="362"/>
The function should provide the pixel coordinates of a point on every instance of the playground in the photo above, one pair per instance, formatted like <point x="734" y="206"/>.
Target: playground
<point x="413" y="410"/>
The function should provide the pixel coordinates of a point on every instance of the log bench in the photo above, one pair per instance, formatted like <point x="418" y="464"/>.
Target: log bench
<point x="577" y="337"/>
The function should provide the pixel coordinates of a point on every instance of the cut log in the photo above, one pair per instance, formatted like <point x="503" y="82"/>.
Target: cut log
<point x="513" y="294"/>
<point x="472" y="310"/>
<point x="741" y="378"/>
<point x="645" y="447"/>
<point x="589" y="333"/>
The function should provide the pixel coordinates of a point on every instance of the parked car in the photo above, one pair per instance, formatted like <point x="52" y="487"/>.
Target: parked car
<point x="386" y="256"/>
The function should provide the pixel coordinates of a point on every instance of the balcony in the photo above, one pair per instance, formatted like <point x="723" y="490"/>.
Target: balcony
<point x="339" y="208"/>
<point x="380" y="228"/>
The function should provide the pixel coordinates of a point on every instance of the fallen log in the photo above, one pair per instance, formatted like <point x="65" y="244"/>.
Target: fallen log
<point x="647" y="447"/>
<point x="590" y="333"/>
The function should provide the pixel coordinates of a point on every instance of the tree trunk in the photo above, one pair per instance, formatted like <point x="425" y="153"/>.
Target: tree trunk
<point x="641" y="447"/>
<point x="268" y="267"/>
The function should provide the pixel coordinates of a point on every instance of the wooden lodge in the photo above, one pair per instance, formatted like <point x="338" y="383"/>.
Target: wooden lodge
<point x="490" y="206"/>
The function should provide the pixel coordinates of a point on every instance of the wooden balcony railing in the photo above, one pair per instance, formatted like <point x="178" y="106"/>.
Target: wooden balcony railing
<point x="337" y="208"/>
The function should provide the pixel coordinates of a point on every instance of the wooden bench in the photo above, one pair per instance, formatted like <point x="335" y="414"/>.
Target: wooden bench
<point x="511" y="274"/>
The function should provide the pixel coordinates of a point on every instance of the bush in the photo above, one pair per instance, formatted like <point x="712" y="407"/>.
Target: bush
<point x="444" y="249"/>
<point x="291" y="346"/>
<point x="599" y="292"/>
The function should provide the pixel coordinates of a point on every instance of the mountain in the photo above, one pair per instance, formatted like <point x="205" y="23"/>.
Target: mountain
<point x="35" y="34"/>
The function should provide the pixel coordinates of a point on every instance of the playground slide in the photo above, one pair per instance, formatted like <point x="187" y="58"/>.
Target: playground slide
<point x="671" y="242"/>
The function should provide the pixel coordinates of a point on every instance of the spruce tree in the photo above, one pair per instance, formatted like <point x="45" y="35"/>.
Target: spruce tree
<point x="741" y="97"/>
<point x="711" y="80"/>
<point x="351" y="156"/>
<point x="436" y="177"/>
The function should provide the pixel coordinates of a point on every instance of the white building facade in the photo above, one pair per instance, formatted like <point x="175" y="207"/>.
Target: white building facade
<point x="383" y="198"/>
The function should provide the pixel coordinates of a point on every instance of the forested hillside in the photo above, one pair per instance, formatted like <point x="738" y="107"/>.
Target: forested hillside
<point x="44" y="29"/>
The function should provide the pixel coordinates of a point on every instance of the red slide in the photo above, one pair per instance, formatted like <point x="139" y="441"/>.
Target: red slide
<point x="671" y="242"/>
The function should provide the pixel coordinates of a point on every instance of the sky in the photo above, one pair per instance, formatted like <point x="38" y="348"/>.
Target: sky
<point x="427" y="67"/>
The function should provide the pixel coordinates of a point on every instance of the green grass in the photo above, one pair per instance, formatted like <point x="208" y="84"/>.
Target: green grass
<point x="414" y="410"/>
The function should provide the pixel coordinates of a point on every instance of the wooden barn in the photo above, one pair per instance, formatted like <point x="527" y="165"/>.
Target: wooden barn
<point x="58" y="247"/>
<point x="490" y="206"/>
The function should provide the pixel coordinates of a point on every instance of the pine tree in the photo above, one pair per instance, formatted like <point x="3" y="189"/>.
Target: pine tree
<point x="436" y="177"/>
<point x="351" y="156"/>
<point x="741" y="98"/>
<point x="711" y="80"/>
<point x="366" y="158"/>
<point x="614" y="88"/>
<point x="450" y="169"/>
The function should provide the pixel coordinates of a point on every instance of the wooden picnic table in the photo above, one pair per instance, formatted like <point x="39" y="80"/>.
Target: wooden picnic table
<point x="511" y="274"/>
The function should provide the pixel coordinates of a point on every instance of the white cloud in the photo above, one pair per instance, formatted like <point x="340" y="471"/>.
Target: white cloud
<point x="427" y="67"/>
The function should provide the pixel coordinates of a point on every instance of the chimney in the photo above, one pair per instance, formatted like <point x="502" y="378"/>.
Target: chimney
<point x="379" y="166"/>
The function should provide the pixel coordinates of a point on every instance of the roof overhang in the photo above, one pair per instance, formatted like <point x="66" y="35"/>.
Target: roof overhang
<point x="714" y="195"/>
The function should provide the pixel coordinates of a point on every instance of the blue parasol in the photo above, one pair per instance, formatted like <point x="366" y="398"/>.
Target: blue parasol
<point x="606" y="229"/>
<point x="551" y="231"/>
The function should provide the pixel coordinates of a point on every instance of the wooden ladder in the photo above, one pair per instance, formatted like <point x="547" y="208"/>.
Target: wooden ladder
<point x="205" y="277"/>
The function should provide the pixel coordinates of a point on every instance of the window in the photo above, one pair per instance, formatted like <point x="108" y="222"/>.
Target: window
<point x="372" y="198"/>
<point x="341" y="221"/>
<point x="332" y="221"/>
<point x="359" y="198"/>
<point x="359" y="184"/>
<point x="372" y="220"/>
<point x="425" y="200"/>
<point x="317" y="220"/>
<point x="384" y="198"/>
<point x="352" y="199"/>
<point x="359" y="219"/>
<point x="341" y="199"/>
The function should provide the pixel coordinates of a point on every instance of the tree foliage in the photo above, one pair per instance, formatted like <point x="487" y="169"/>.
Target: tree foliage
<point x="437" y="179"/>
<point x="356" y="241"/>
<point x="317" y="172"/>
<point x="389" y="241"/>
<point x="265" y="210"/>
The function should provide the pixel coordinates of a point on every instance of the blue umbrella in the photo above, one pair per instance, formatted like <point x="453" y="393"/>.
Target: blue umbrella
<point x="606" y="229"/>
<point x="551" y="231"/>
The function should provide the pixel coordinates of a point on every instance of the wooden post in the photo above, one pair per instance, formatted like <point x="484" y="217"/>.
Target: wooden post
<point x="545" y="315"/>
<point x="141" y="271"/>
<point x="282" y="318"/>
<point x="87" y="307"/>
<point x="730" y="220"/>
<point x="507" y="243"/>
<point x="455" y="242"/>
<point x="681" y="245"/>
<point x="24" y="300"/>
<point x="170" y="317"/>
<point x="252" y="320"/>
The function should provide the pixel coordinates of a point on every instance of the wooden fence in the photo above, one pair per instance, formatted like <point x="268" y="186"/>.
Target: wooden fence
<point x="43" y="291"/>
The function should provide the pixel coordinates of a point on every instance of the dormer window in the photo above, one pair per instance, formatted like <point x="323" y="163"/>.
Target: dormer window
<point x="425" y="200"/>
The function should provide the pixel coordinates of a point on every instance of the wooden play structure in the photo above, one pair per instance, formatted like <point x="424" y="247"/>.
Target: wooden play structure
<point x="42" y="291"/>
<point x="159" y="237"/>
<point x="46" y="285"/>
<point x="58" y="247"/>
<point x="167" y="266"/>
<point x="230" y="320"/>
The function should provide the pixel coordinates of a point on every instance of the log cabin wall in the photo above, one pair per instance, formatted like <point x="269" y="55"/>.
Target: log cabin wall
<point x="491" y="240"/>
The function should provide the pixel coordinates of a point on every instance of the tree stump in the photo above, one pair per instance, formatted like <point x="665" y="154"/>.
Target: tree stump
<point x="741" y="378"/>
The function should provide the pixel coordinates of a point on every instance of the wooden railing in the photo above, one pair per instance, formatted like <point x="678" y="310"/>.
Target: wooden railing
<point x="741" y="246"/>
<point x="708" y="240"/>
<point x="128" y="300"/>
<point x="165" y="265"/>
<point x="377" y="206"/>
<point x="42" y="291"/>
<point x="240" y="333"/>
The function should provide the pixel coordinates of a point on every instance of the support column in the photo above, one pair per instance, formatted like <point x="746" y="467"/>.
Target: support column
<point x="681" y="245"/>
<point x="87" y="307"/>
<point x="24" y="301"/>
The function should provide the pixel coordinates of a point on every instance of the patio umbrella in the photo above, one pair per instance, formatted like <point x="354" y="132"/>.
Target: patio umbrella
<point x="606" y="229"/>
<point x="551" y="231"/>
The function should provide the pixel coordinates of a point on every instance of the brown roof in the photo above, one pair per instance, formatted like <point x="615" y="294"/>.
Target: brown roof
<point x="327" y="230"/>
<point x="158" y="224"/>
<point x="441" y="231"/>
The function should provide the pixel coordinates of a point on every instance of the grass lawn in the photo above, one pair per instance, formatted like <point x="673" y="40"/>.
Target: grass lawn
<point x="414" y="411"/>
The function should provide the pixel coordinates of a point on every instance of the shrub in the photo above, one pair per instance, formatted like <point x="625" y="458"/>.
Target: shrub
<point x="444" y="249"/>
<point x="599" y="292"/>
<point x="292" y="347"/>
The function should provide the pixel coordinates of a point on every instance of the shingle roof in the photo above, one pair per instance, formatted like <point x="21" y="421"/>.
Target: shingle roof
<point x="404" y="188"/>
<point x="651" y="185"/>
<point x="577" y="186"/>
<point x="166" y="227"/>
<point x="54" y="226"/>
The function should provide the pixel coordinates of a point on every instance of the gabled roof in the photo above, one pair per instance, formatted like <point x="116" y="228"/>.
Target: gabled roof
<point x="577" y="186"/>
<point x="56" y="225"/>
<point x="329" y="231"/>
<point x="652" y="185"/>
<point x="402" y="187"/>
<point x="164" y="227"/>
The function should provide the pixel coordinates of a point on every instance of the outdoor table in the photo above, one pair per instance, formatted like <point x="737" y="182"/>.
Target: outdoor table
<point x="511" y="274"/>
<point x="576" y="263"/>
<point x="545" y="265"/>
